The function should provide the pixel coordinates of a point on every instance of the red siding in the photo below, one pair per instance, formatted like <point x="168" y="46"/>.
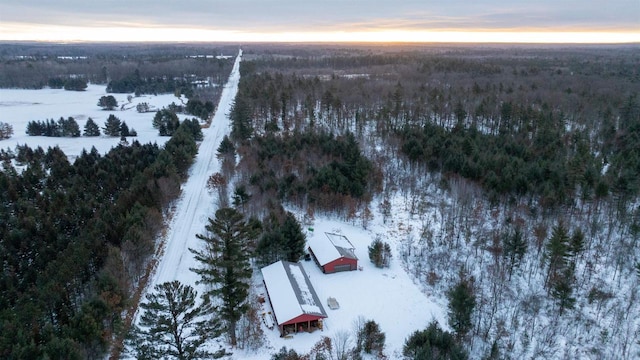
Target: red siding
<point x="302" y="318"/>
<point x="330" y="267"/>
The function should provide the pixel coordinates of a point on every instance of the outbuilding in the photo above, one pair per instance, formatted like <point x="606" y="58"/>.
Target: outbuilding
<point x="295" y="304"/>
<point x="333" y="253"/>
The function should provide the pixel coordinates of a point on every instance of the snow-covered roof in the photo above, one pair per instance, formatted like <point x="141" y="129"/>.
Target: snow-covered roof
<point x="290" y="291"/>
<point x="333" y="247"/>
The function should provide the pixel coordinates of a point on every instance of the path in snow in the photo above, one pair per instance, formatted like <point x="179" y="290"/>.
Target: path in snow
<point x="195" y="204"/>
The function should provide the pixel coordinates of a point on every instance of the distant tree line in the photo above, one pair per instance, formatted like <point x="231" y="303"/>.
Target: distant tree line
<point x="33" y="66"/>
<point x="72" y="83"/>
<point x="113" y="126"/>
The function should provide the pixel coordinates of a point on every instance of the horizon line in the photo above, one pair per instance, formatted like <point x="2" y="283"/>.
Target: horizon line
<point x="71" y="34"/>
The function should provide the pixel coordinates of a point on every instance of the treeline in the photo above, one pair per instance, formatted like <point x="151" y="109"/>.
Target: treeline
<point x="113" y="126"/>
<point x="75" y="238"/>
<point x="71" y="83"/>
<point x="533" y="154"/>
<point x="33" y="66"/>
<point x="519" y="124"/>
<point x="134" y="83"/>
<point x="61" y="128"/>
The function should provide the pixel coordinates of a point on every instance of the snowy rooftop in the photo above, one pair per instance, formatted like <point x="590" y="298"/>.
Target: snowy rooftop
<point x="334" y="246"/>
<point x="290" y="291"/>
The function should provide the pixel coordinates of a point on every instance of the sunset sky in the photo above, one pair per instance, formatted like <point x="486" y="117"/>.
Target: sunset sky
<point x="544" y="21"/>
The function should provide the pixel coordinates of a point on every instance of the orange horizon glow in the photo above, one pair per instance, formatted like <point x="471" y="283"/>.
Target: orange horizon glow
<point x="22" y="32"/>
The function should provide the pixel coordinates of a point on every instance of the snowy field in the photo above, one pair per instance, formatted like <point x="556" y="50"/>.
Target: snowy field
<point x="19" y="106"/>
<point x="388" y="296"/>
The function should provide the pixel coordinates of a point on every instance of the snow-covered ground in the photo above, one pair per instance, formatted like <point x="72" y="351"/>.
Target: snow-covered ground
<point x="19" y="106"/>
<point x="196" y="204"/>
<point x="389" y="296"/>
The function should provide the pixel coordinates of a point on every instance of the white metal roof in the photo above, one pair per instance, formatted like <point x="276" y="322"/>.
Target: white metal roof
<point x="332" y="247"/>
<point x="290" y="291"/>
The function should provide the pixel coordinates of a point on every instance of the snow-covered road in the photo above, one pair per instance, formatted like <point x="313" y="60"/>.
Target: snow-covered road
<point x="196" y="204"/>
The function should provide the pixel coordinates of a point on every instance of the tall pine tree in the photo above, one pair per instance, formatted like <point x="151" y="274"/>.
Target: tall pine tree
<point x="112" y="126"/>
<point x="174" y="325"/>
<point x="294" y="238"/>
<point x="462" y="301"/>
<point x="225" y="266"/>
<point x="91" y="128"/>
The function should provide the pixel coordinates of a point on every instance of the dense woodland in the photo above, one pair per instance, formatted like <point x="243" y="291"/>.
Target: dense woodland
<point x="522" y="165"/>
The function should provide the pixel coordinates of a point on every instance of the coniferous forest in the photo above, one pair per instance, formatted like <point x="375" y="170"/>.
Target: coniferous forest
<point x="522" y="164"/>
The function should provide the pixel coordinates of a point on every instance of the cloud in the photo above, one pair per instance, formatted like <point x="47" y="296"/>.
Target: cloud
<point x="328" y="15"/>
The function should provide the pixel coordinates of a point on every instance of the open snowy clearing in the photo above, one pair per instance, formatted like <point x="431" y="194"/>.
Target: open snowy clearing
<point x="19" y="106"/>
<point x="388" y="296"/>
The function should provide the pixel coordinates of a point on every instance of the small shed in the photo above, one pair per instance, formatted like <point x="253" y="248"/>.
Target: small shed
<point x="296" y="306"/>
<point x="333" y="253"/>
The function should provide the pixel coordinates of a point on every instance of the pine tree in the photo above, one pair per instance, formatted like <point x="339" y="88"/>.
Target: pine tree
<point x="226" y="147"/>
<point x="166" y="121"/>
<point x="241" y="197"/>
<point x="560" y="256"/>
<point x="380" y="253"/>
<point x="294" y="238"/>
<point x="112" y="126"/>
<point x="108" y="102"/>
<point x="91" y="128"/>
<point x="433" y="343"/>
<point x="174" y="325"/>
<point x="462" y="301"/>
<point x="557" y="251"/>
<point x="124" y="129"/>
<point x="372" y="338"/>
<point x="225" y="266"/>
<point x="69" y="127"/>
<point x="514" y="247"/>
<point x="241" y="127"/>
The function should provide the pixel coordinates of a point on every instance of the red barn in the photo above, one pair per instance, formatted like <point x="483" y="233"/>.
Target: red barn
<point x="333" y="253"/>
<point x="295" y="303"/>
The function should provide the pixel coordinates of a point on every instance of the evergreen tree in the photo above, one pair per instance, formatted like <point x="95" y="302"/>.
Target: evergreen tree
<point x="124" y="129"/>
<point x="287" y="354"/>
<point x="270" y="247"/>
<point x="226" y="147"/>
<point x="514" y="247"/>
<point x="75" y="84"/>
<point x="194" y="127"/>
<point x="166" y="121"/>
<point x="561" y="265"/>
<point x="294" y="238"/>
<point x="380" y="253"/>
<point x="225" y="266"/>
<point x="433" y="343"/>
<point x="557" y="251"/>
<point x="6" y="130"/>
<point x="69" y="127"/>
<point x="174" y="325"/>
<point x="576" y="246"/>
<point x="370" y="338"/>
<point x="562" y="290"/>
<point x="91" y="128"/>
<point x="108" y="102"/>
<point x="241" y="120"/>
<point x="241" y="197"/>
<point x="112" y="126"/>
<point x="462" y="301"/>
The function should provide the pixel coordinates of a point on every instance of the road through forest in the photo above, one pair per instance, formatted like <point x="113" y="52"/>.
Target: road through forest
<point x="195" y="204"/>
